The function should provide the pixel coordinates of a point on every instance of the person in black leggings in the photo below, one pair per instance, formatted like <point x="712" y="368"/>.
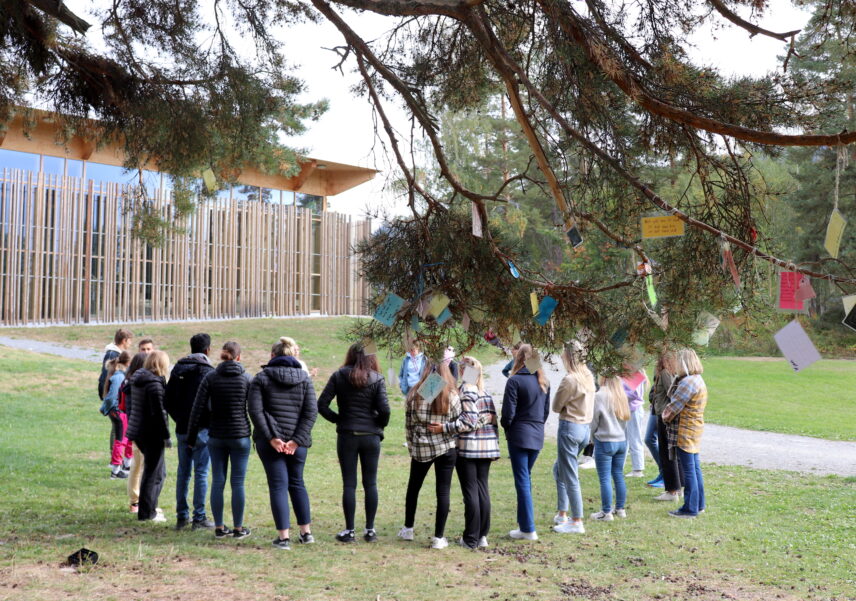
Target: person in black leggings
<point x="427" y="449"/>
<point x="360" y="393"/>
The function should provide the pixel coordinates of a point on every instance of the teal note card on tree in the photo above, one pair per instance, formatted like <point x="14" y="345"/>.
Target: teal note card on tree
<point x="431" y="387"/>
<point x="545" y="309"/>
<point x="388" y="309"/>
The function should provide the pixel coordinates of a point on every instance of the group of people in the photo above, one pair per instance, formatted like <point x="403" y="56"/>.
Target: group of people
<point x="454" y="428"/>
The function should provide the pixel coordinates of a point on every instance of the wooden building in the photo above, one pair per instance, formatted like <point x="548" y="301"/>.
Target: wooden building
<point x="266" y="246"/>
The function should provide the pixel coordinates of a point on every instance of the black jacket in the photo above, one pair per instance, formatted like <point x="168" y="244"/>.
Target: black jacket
<point x="360" y="409"/>
<point x="525" y="408"/>
<point x="221" y="402"/>
<point x="282" y="403"/>
<point x="147" y="420"/>
<point x="184" y="381"/>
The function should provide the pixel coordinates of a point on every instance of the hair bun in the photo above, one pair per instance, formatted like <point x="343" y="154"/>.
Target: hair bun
<point x="284" y="339"/>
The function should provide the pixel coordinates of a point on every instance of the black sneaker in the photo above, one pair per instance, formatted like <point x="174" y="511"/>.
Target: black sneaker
<point x="282" y="543"/>
<point x="203" y="523"/>
<point x="345" y="536"/>
<point x="244" y="532"/>
<point x="181" y="524"/>
<point x="222" y="533"/>
<point x="370" y="535"/>
<point x="306" y="539"/>
<point x="118" y="475"/>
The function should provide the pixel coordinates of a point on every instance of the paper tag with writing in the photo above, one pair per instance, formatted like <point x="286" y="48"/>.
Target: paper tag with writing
<point x="477" y="221"/>
<point x="834" y="232"/>
<point x="545" y="309"/>
<point x="387" y="310"/>
<point x="787" y="302"/>
<point x="431" y="387"/>
<point x="369" y="346"/>
<point x="209" y="179"/>
<point x="533" y="300"/>
<point x="470" y="375"/>
<point x="796" y="346"/>
<point x="438" y="303"/>
<point x="662" y="226"/>
<point x="444" y="316"/>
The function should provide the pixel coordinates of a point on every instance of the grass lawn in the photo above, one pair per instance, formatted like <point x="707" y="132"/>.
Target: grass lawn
<point x="765" y="535"/>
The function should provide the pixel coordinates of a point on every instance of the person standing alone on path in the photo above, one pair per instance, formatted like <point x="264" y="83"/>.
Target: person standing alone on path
<point x="181" y="390"/>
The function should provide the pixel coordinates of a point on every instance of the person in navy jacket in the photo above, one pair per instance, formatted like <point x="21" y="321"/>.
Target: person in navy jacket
<point x="525" y="408"/>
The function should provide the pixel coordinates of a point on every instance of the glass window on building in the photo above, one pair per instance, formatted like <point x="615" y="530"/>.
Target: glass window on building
<point x="270" y="196"/>
<point x="12" y="159"/>
<point x="53" y="165"/>
<point x="74" y="168"/>
<point x="98" y="172"/>
<point x="287" y="197"/>
<point x="242" y="192"/>
<point x="310" y="201"/>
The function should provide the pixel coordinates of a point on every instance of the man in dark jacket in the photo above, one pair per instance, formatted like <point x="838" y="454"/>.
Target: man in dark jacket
<point x="184" y="381"/>
<point x="121" y="342"/>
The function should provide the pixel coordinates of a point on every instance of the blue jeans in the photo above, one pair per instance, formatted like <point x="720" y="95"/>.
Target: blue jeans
<point x="198" y="460"/>
<point x="635" y="446"/>
<point x="224" y="451"/>
<point x="285" y="479"/>
<point x="522" y="461"/>
<point x="609" y="458"/>
<point x="651" y="441"/>
<point x="572" y="439"/>
<point x="693" y="482"/>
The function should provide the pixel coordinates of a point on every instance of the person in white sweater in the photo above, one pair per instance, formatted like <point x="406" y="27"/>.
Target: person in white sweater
<point x="608" y="428"/>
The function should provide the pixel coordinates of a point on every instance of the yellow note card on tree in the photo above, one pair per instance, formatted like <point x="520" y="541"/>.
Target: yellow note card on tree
<point x="834" y="231"/>
<point x="662" y="226"/>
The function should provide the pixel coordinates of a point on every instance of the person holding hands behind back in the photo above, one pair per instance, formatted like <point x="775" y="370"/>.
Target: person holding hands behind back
<point x="283" y="410"/>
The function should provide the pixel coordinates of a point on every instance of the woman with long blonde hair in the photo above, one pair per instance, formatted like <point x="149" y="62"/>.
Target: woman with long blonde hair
<point x="525" y="408"/>
<point x="148" y="426"/>
<point x="574" y="402"/>
<point x="429" y="448"/>
<point x="609" y="430"/>
<point x="478" y="447"/>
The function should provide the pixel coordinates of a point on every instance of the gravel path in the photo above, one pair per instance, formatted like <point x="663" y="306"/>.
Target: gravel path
<point x="733" y="446"/>
<point x="68" y="352"/>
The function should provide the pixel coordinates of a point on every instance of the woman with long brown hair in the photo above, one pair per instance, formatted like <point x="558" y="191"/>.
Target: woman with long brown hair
<point x="525" y="408"/>
<point x="428" y="448"/>
<point x="360" y="394"/>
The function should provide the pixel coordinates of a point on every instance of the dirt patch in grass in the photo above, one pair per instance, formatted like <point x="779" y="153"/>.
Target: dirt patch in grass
<point x="171" y="579"/>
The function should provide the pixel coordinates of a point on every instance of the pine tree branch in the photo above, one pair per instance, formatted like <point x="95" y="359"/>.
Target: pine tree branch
<point x="60" y="12"/>
<point x="753" y="29"/>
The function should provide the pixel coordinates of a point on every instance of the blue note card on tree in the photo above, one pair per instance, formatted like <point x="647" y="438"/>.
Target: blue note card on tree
<point x="387" y="310"/>
<point x="545" y="309"/>
<point x="444" y="316"/>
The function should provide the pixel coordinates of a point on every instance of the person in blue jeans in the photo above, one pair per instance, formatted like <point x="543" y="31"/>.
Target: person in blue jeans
<point x="184" y="381"/>
<point x="609" y="427"/>
<point x="283" y="410"/>
<point x="525" y="408"/>
<point x="222" y="402"/>
<point x="652" y="443"/>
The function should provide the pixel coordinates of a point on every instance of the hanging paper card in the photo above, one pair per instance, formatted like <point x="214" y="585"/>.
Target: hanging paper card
<point x="707" y="324"/>
<point x="209" y="180"/>
<point x="477" y="222"/>
<point x="728" y="263"/>
<point x="533" y="363"/>
<point x="788" y="283"/>
<point x="477" y="315"/>
<point x="414" y="324"/>
<point x="804" y="290"/>
<point x="635" y="379"/>
<point x="387" y="310"/>
<point x="471" y="375"/>
<point x="574" y="236"/>
<point x="431" y="387"/>
<point x="369" y="346"/>
<point x="849" y="302"/>
<point x="444" y="316"/>
<point x="409" y="339"/>
<point x="652" y="294"/>
<point x="796" y="346"/>
<point x="513" y="270"/>
<point x="619" y="337"/>
<point x="850" y="319"/>
<point x="662" y="226"/>
<point x="533" y="300"/>
<point x="834" y="232"/>
<point x="465" y="322"/>
<point x="545" y="309"/>
<point x="438" y="304"/>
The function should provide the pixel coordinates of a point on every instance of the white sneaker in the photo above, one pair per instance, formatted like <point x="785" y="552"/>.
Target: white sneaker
<point x="483" y="542"/>
<point x="620" y="513"/>
<point x="570" y="527"/>
<point x="588" y="465"/>
<point x="560" y="519"/>
<point x="667" y="496"/>
<point x="602" y="516"/>
<point x="635" y="474"/>
<point x="439" y="543"/>
<point x="159" y="516"/>
<point x="405" y="533"/>
<point x="518" y="535"/>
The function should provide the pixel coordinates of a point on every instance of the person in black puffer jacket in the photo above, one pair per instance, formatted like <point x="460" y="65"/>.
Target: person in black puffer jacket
<point x="283" y="410"/>
<point x="136" y="468"/>
<point x="148" y="426"/>
<point x="222" y="404"/>
<point x="360" y="392"/>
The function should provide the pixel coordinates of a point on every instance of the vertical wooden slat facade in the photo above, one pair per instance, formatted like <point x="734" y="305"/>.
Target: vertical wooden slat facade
<point x="67" y="255"/>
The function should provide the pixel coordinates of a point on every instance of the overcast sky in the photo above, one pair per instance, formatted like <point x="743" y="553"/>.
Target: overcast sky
<point x="346" y="132"/>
